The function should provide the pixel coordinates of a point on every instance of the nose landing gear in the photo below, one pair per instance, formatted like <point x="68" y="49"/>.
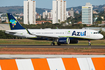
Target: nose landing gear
<point x="89" y="43"/>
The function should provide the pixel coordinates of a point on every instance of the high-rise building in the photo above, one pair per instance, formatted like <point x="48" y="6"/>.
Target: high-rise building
<point x="49" y="16"/>
<point x="59" y="11"/>
<point x="29" y="12"/>
<point x="71" y="13"/>
<point x="45" y="14"/>
<point x="104" y="9"/>
<point x="87" y="14"/>
<point x="67" y="14"/>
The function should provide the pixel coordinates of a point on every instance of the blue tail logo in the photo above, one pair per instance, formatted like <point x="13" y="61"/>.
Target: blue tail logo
<point x="14" y="24"/>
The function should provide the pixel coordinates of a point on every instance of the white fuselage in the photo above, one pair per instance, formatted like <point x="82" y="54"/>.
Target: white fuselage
<point x="57" y="33"/>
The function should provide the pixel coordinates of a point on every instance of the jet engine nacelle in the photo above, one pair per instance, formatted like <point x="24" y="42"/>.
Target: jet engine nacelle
<point x="64" y="40"/>
<point x="67" y="41"/>
<point x="73" y="41"/>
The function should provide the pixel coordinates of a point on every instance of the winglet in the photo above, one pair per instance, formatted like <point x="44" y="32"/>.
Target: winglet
<point x="28" y="32"/>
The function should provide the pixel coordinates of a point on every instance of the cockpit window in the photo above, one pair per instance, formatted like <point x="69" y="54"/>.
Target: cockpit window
<point x="96" y="33"/>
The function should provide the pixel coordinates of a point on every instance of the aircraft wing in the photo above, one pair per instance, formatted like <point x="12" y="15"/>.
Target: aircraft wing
<point x="45" y="36"/>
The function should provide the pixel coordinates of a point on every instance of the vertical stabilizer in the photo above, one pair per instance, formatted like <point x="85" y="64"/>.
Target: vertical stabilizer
<point x="14" y="24"/>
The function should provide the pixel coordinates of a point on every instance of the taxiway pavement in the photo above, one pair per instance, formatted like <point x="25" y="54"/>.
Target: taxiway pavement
<point x="48" y="46"/>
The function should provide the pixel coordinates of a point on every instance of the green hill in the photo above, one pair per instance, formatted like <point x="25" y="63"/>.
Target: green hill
<point x="19" y="9"/>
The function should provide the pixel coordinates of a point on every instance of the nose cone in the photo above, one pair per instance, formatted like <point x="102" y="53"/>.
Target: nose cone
<point x="101" y="36"/>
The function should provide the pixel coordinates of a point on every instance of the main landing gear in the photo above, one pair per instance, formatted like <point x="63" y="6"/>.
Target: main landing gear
<point x="53" y="43"/>
<point x="89" y="43"/>
<point x="58" y="44"/>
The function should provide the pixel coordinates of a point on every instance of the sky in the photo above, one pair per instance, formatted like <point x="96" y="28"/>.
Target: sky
<point x="48" y="3"/>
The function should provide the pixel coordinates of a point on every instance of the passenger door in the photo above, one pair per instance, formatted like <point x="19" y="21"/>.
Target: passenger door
<point x="88" y="34"/>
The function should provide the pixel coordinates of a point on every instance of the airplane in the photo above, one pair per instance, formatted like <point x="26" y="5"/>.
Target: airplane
<point x="61" y="36"/>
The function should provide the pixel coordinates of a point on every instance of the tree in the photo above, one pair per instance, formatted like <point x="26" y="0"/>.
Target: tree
<point x="99" y="19"/>
<point x="3" y="35"/>
<point x="59" y="21"/>
<point x="103" y="33"/>
<point x="98" y="22"/>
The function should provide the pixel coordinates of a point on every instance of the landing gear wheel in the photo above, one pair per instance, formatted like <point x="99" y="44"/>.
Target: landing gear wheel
<point x="52" y="44"/>
<point x="58" y="44"/>
<point x="89" y="43"/>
